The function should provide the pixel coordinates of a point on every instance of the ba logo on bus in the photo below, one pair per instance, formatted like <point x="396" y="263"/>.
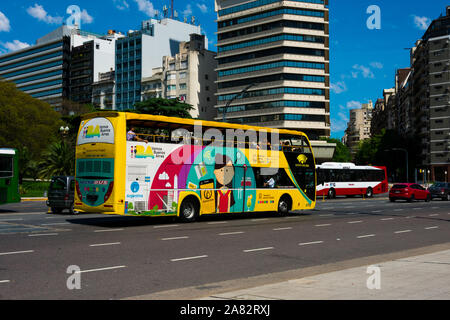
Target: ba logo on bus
<point x="142" y="152"/>
<point x="91" y="132"/>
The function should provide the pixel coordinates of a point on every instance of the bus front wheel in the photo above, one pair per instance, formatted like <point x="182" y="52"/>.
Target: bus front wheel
<point x="331" y="194"/>
<point x="369" y="193"/>
<point x="189" y="210"/>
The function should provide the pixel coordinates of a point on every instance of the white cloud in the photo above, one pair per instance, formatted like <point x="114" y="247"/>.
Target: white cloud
<point x="343" y="116"/>
<point x="85" y="17"/>
<point x="377" y="65"/>
<point x="146" y="7"/>
<point x="338" y="87"/>
<point x="203" y="8"/>
<point x="4" y="23"/>
<point x="39" y="13"/>
<point x="354" y="105"/>
<point x="365" y="71"/>
<point x="15" y="45"/>
<point x="422" y="22"/>
<point x="121" y="4"/>
<point x="338" y="126"/>
<point x="187" y="11"/>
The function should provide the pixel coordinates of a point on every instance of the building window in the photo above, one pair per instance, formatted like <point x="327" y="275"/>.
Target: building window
<point x="183" y="86"/>
<point x="183" y="65"/>
<point x="182" y="75"/>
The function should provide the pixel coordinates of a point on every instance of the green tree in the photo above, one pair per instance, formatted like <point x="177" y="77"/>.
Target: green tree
<point x="164" y="107"/>
<point x="26" y="123"/>
<point x="58" y="160"/>
<point x="342" y="153"/>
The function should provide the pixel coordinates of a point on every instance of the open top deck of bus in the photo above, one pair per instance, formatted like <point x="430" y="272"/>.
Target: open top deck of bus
<point x="144" y="119"/>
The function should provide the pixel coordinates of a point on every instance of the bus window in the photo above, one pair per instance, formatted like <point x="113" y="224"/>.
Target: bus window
<point x="6" y="167"/>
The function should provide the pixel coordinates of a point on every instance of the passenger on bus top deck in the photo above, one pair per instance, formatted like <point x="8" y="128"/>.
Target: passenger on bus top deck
<point x="132" y="136"/>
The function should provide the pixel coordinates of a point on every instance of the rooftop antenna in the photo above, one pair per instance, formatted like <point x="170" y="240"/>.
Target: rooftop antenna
<point x="171" y="9"/>
<point x="193" y="20"/>
<point x="165" y="11"/>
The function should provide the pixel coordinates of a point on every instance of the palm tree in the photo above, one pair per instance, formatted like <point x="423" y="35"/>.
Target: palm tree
<point x="58" y="160"/>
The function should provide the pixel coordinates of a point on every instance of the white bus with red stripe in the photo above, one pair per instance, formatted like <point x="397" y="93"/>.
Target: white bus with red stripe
<point x="347" y="179"/>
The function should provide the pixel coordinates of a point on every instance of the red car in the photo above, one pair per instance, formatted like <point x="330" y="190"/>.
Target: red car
<point x="409" y="192"/>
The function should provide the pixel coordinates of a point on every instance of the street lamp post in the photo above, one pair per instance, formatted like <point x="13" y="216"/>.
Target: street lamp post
<point x="234" y="98"/>
<point x="64" y="131"/>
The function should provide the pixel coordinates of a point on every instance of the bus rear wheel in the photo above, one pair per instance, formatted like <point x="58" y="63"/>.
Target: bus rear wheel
<point x="284" y="205"/>
<point x="189" y="210"/>
<point x="369" y="193"/>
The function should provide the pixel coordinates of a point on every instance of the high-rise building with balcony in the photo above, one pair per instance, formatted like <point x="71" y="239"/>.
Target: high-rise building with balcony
<point x="359" y="126"/>
<point x="273" y="64"/>
<point x="431" y="97"/>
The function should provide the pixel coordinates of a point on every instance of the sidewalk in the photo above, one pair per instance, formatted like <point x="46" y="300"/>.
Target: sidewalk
<point x="424" y="277"/>
<point x="416" y="274"/>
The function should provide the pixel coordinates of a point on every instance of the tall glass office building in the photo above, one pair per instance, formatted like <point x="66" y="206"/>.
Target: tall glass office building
<point x="273" y="64"/>
<point x="40" y="70"/>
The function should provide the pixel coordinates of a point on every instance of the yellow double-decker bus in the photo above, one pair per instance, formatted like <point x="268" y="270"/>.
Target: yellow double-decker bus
<point x="145" y="165"/>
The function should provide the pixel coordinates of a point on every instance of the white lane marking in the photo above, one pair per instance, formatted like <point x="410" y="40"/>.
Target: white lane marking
<point x="260" y="249"/>
<point x="387" y="219"/>
<point x="433" y="215"/>
<point x="16" y="252"/>
<point x="43" y="234"/>
<point x="55" y="224"/>
<point x="310" y="243"/>
<point x="101" y="269"/>
<point x="431" y="228"/>
<point x="398" y="210"/>
<point x="366" y="236"/>
<point x="104" y="244"/>
<point x="108" y="230"/>
<point x="350" y="207"/>
<point x="354" y="222"/>
<point x="168" y="226"/>
<point x="189" y="258"/>
<point x="402" y="231"/>
<point x="326" y="215"/>
<point x="5" y="281"/>
<point x="175" y="238"/>
<point x="282" y="229"/>
<point x="323" y="225"/>
<point x="219" y="222"/>
<point x="378" y="211"/>
<point x="231" y="233"/>
<point x="256" y="220"/>
<point x="8" y="220"/>
<point x="418" y="208"/>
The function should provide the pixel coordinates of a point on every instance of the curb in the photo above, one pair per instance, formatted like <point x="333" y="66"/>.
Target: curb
<point x="33" y="199"/>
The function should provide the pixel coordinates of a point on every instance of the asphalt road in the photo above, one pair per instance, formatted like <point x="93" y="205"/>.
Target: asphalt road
<point x="121" y="257"/>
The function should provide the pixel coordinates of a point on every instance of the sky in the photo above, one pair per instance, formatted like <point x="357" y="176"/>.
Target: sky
<point x="369" y="39"/>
